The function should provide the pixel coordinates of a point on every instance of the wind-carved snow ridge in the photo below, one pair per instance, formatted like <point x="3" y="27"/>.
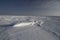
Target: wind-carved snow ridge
<point x="23" y="24"/>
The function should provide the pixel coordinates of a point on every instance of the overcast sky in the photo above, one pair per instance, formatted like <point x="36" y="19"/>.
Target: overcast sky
<point x="30" y="7"/>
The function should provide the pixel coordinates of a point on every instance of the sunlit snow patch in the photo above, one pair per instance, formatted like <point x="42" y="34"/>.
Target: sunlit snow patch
<point x="23" y="24"/>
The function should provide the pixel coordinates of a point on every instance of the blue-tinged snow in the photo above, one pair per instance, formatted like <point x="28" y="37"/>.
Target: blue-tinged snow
<point x="29" y="28"/>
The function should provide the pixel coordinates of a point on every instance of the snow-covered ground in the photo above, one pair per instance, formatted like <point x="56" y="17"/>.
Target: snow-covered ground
<point x="23" y="24"/>
<point x="29" y="28"/>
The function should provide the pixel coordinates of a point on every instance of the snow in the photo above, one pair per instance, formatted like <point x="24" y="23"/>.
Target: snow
<point x="30" y="33"/>
<point x="23" y="24"/>
<point x="26" y="28"/>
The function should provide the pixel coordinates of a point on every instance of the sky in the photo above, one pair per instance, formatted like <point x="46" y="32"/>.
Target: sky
<point x="30" y="7"/>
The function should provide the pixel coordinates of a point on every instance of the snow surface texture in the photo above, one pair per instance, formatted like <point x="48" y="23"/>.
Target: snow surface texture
<point x="36" y="28"/>
<point x="23" y="24"/>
